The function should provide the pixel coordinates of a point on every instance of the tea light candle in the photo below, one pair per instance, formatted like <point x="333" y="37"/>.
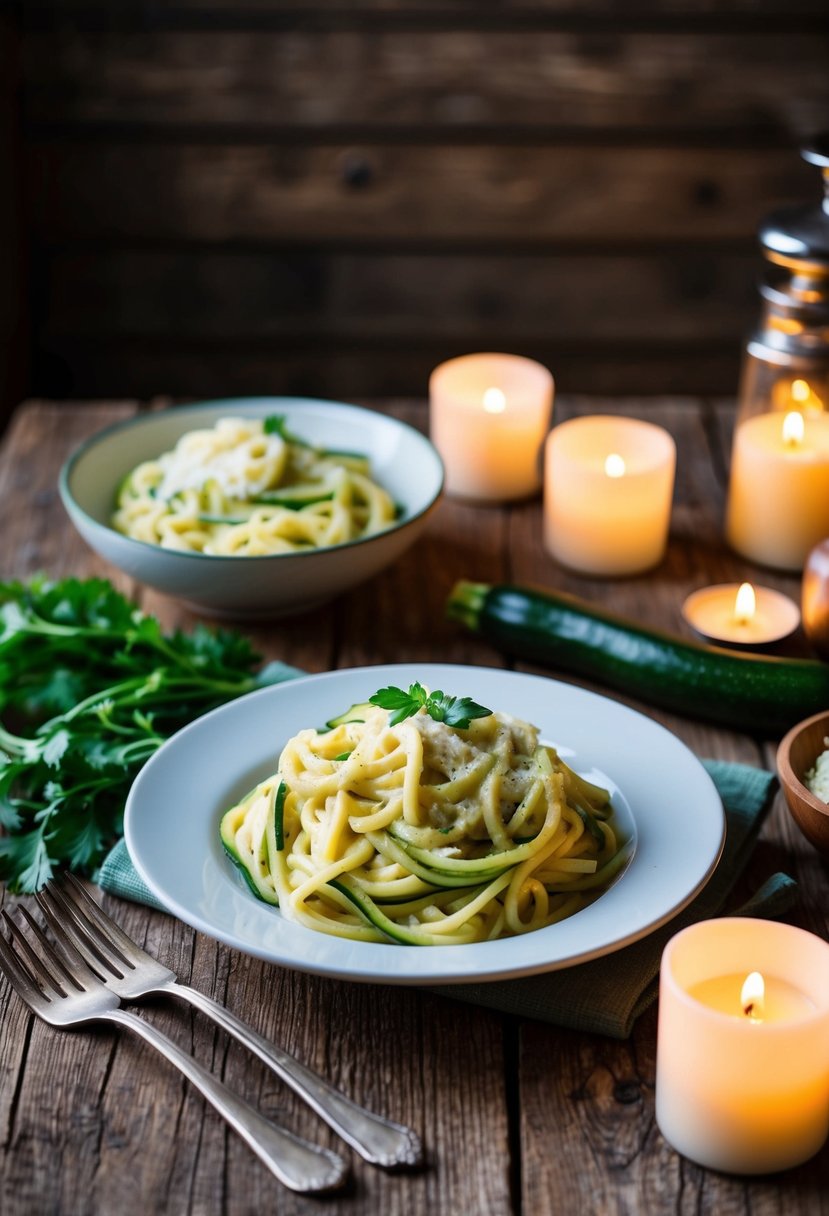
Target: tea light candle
<point x="741" y="615"/>
<point x="742" y="1072"/>
<point x="778" y="499"/>
<point x="489" y="414"/>
<point x="608" y="485"/>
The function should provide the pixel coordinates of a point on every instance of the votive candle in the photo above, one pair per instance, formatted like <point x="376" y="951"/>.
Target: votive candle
<point x="742" y="1086"/>
<point x="488" y="417"/>
<point x="608" y="486"/>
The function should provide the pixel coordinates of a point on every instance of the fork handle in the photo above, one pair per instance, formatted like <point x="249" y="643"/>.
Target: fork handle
<point x="377" y="1140"/>
<point x="296" y="1163"/>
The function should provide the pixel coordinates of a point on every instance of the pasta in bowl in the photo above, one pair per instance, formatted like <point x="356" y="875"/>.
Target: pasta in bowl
<point x="421" y="819"/>
<point x="269" y="506"/>
<point x="250" y="487"/>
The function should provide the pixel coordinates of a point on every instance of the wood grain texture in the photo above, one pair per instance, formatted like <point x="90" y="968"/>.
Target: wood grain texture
<point x="331" y="198"/>
<point x="434" y="80"/>
<point x="751" y="14"/>
<point x="346" y="370"/>
<point x="536" y="194"/>
<point x="119" y="1099"/>
<point x="14" y="329"/>
<point x="518" y="1118"/>
<point x="699" y="296"/>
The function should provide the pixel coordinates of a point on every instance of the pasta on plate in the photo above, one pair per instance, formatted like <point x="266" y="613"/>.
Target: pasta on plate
<point x="247" y="488"/>
<point x="419" y="832"/>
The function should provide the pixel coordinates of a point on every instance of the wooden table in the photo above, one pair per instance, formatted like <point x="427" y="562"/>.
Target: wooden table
<point x="516" y="1116"/>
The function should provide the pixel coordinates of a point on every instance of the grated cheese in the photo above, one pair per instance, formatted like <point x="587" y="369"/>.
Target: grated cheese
<point x="817" y="778"/>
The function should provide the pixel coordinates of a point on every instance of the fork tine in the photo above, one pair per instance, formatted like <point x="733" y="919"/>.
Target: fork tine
<point x="41" y="976"/>
<point x="80" y="927"/>
<point x="19" y="977"/>
<point x="69" y="933"/>
<point x="68" y="960"/>
<point x="108" y="933"/>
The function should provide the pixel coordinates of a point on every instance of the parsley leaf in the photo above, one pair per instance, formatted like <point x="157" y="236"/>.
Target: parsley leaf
<point x="403" y="704"/>
<point x="457" y="712"/>
<point x="275" y="424"/>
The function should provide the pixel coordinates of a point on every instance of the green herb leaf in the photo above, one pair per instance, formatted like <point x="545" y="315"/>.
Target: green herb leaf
<point x="89" y="689"/>
<point x="457" y="712"/>
<point x="402" y="704"/>
<point x="55" y="747"/>
<point x="275" y="424"/>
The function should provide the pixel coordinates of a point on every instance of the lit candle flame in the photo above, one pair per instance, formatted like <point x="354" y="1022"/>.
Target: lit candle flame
<point x="745" y="604"/>
<point x="494" y="401"/>
<point x="753" y="996"/>
<point x="793" y="429"/>
<point x="614" y="466"/>
<point x="805" y="398"/>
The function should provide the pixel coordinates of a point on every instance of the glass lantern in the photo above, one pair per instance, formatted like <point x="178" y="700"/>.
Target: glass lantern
<point x="778" y="502"/>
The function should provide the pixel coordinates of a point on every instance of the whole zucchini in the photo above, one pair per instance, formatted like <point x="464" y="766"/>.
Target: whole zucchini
<point x="753" y="693"/>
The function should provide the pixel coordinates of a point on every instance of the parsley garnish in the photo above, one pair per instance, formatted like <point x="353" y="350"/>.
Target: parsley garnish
<point x="275" y="424"/>
<point x="454" y="711"/>
<point x="90" y="687"/>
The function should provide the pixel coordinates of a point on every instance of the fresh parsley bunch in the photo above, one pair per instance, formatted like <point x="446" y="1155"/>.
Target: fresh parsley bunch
<point x="454" y="711"/>
<point x="90" y="687"/>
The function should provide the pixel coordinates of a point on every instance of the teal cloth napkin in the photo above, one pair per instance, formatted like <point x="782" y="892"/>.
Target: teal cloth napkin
<point x="606" y="995"/>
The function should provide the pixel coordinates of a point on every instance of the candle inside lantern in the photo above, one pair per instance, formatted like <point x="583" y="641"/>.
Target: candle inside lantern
<point x="778" y="501"/>
<point x="608" y="485"/>
<point x="741" y="615"/>
<point x="489" y="414"/>
<point x="799" y="395"/>
<point x="793" y="430"/>
<point x="742" y="1068"/>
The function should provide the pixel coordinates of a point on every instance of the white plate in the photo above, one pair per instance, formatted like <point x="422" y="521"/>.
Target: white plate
<point x="174" y="808"/>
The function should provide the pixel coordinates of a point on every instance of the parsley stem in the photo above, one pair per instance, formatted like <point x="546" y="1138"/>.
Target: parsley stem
<point x="17" y="745"/>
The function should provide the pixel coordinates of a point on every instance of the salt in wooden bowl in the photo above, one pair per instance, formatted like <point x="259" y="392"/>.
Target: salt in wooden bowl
<point x="797" y="753"/>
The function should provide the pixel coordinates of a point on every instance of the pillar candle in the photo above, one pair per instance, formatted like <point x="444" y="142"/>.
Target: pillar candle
<point x="608" y="485"/>
<point x="778" y="498"/>
<point x="743" y="1087"/>
<point x="489" y="414"/>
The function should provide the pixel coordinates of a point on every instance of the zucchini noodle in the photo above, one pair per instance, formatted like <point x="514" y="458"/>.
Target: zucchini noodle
<point x="423" y="834"/>
<point x="245" y="488"/>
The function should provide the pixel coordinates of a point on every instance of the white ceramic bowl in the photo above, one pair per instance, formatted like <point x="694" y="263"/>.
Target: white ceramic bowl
<point x="402" y="461"/>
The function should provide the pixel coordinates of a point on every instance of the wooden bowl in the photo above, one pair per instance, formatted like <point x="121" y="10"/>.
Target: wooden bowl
<point x="795" y="756"/>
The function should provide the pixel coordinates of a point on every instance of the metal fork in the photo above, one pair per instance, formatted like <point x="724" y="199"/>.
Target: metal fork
<point x="65" y="992"/>
<point x="131" y="972"/>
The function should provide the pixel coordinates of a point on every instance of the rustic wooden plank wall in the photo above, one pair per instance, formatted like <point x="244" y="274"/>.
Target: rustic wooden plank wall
<point x="14" y="343"/>
<point x="331" y="197"/>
